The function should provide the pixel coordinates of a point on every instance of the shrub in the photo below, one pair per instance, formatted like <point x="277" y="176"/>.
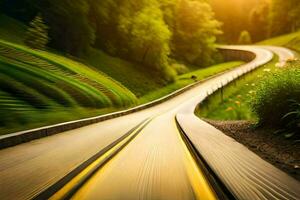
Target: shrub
<point x="292" y="121"/>
<point x="277" y="97"/>
<point x="245" y="38"/>
<point x="180" y="68"/>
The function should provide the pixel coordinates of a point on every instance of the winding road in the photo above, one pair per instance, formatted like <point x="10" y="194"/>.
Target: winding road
<point x="163" y="152"/>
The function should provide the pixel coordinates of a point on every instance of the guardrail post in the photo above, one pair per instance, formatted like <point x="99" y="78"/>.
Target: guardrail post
<point x="222" y="93"/>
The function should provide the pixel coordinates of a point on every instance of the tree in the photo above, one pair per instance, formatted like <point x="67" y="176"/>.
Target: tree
<point x="195" y="32"/>
<point x="135" y="30"/>
<point x="284" y="17"/>
<point x="258" y="21"/>
<point x="149" y="32"/>
<point x="70" y="29"/>
<point x="104" y="16"/>
<point x="149" y="39"/>
<point x="145" y="35"/>
<point x="245" y="38"/>
<point x="234" y="15"/>
<point x="37" y="34"/>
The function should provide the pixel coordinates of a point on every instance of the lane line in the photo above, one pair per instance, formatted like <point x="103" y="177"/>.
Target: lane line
<point x="68" y="185"/>
<point x="221" y="191"/>
<point x="146" y="187"/>
<point x="199" y="181"/>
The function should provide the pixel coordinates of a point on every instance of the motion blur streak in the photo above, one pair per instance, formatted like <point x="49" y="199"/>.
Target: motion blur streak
<point x="155" y="165"/>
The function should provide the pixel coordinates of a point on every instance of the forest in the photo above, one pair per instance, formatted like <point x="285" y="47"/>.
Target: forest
<point x="153" y="33"/>
<point x="260" y="18"/>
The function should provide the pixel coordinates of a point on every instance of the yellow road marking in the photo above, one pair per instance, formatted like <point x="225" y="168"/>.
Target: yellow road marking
<point x="200" y="184"/>
<point x="70" y="185"/>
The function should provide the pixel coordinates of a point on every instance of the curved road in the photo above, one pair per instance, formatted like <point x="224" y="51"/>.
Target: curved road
<point x="156" y="164"/>
<point x="245" y="174"/>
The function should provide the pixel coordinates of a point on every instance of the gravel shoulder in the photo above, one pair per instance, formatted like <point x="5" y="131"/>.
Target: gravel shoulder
<point x="283" y="153"/>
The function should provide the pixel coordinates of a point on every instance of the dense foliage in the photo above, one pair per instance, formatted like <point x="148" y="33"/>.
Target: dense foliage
<point x="148" y="32"/>
<point x="194" y="27"/>
<point x="237" y="15"/>
<point x="70" y="30"/>
<point x="284" y="16"/>
<point x="277" y="98"/>
<point x="245" y="38"/>
<point x="261" y="18"/>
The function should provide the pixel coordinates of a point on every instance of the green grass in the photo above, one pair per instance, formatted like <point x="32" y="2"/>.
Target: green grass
<point x="291" y="41"/>
<point x="236" y="97"/>
<point x="135" y="77"/>
<point x="11" y="29"/>
<point x="277" y="100"/>
<point x="95" y="83"/>
<point x="186" y="79"/>
<point x="20" y="116"/>
<point x="42" y="88"/>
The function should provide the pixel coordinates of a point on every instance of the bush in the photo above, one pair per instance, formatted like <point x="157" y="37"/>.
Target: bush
<point x="292" y="121"/>
<point x="180" y="68"/>
<point x="245" y="38"/>
<point x="277" y="97"/>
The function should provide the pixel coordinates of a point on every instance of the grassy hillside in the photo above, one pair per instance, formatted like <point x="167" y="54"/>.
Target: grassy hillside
<point x="291" y="41"/>
<point x="39" y="81"/>
<point x="135" y="77"/>
<point x="14" y="31"/>
<point x="11" y="29"/>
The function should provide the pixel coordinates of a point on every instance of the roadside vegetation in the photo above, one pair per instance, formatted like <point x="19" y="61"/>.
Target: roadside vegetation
<point x="132" y="75"/>
<point x="190" y="78"/>
<point x="41" y="88"/>
<point x="268" y="96"/>
<point x="233" y="103"/>
<point x="236" y="97"/>
<point x="277" y="100"/>
<point x="265" y="116"/>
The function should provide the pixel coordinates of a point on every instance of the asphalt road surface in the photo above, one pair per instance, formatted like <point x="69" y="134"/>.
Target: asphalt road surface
<point x="154" y="164"/>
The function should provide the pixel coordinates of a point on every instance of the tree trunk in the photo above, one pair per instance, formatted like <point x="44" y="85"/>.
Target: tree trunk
<point x="145" y="54"/>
